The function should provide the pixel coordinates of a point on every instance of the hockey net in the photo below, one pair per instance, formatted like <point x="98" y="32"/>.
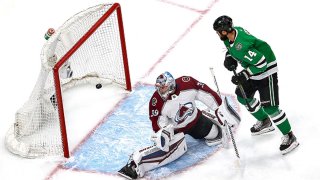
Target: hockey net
<point x="88" y="48"/>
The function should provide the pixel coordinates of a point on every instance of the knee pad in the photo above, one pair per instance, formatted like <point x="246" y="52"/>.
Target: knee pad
<point x="218" y="135"/>
<point x="213" y="132"/>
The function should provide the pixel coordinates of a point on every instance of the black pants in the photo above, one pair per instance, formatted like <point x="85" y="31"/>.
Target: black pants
<point x="268" y="90"/>
<point x="201" y="129"/>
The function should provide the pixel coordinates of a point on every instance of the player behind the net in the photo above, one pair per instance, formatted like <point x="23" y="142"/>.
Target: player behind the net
<point x="173" y="113"/>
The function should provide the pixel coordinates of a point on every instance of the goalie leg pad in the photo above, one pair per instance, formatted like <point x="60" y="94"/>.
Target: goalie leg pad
<point x="153" y="157"/>
<point x="218" y="135"/>
<point x="225" y="112"/>
<point x="214" y="132"/>
<point x="214" y="136"/>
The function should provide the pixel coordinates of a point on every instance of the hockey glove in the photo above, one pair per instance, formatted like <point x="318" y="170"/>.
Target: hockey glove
<point x="241" y="78"/>
<point x="163" y="137"/>
<point x="230" y="63"/>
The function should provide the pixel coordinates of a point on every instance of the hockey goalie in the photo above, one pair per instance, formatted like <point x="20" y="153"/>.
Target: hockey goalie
<point x="173" y="113"/>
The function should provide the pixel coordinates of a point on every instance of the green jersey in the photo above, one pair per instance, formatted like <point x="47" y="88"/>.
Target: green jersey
<point x="254" y="55"/>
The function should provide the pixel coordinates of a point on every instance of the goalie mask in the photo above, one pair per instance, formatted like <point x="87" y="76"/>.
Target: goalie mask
<point x="165" y="85"/>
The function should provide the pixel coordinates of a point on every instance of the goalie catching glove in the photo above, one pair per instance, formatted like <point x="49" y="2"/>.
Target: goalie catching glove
<point x="162" y="138"/>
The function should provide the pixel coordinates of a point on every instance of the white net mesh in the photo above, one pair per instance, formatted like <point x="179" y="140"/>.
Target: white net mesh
<point x="99" y="59"/>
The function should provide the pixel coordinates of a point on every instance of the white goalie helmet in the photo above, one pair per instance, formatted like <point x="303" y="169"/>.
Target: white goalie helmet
<point x="165" y="85"/>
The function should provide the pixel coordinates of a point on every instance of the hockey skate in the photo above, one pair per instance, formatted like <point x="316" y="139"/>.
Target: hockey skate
<point x="262" y="127"/>
<point x="128" y="171"/>
<point x="289" y="143"/>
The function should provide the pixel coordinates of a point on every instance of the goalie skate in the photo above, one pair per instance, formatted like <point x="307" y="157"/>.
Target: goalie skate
<point x="128" y="171"/>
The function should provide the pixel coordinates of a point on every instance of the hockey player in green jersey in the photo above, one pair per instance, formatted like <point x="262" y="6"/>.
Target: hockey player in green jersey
<point x="259" y="74"/>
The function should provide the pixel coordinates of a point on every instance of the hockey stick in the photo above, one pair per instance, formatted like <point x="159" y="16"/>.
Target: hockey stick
<point x="225" y="122"/>
<point x="215" y="81"/>
<point x="242" y="92"/>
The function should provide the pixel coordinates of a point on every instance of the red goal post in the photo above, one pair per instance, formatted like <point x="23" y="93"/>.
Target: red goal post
<point x="88" y="48"/>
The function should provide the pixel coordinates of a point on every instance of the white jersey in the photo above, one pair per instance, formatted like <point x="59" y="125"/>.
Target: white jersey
<point x="180" y="108"/>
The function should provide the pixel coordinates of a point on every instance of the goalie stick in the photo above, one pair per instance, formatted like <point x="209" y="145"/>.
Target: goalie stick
<point x="226" y="123"/>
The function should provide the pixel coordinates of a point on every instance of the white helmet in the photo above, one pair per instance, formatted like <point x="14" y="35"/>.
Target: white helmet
<point x="165" y="85"/>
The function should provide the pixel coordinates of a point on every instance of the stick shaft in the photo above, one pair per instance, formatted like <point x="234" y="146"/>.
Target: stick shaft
<point x="226" y="123"/>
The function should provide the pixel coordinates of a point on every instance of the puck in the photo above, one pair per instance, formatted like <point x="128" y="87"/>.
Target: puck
<point x="98" y="86"/>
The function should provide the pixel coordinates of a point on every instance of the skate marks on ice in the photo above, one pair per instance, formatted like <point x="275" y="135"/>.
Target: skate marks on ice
<point x="128" y="129"/>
